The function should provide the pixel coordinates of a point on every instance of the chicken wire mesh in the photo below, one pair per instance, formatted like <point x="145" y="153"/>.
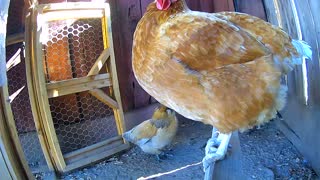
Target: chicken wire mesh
<point x="70" y="49"/>
<point x="21" y="108"/>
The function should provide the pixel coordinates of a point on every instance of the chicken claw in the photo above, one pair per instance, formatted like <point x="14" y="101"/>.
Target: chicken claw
<point x="216" y="148"/>
<point x="163" y="156"/>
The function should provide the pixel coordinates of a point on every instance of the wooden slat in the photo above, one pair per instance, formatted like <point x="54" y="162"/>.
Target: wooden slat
<point x="15" y="38"/>
<point x="42" y="98"/>
<point x="72" y="14"/>
<point x="30" y="83"/>
<point x="79" y="152"/>
<point x="71" y="6"/>
<point x="118" y="113"/>
<point x="100" y="62"/>
<point x="309" y="23"/>
<point x="101" y="96"/>
<point x="231" y="167"/>
<point x="8" y="131"/>
<point x="97" y="155"/>
<point x="252" y="7"/>
<point x="126" y="15"/>
<point x="71" y="86"/>
<point x="31" y="90"/>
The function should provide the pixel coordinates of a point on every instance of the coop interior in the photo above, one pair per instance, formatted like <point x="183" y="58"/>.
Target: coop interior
<point x="72" y="93"/>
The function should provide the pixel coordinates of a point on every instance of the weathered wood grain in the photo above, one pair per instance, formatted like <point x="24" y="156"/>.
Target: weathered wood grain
<point x="252" y="7"/>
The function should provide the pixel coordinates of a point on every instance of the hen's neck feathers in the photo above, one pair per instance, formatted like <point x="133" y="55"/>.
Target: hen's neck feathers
<point x="163" y="15"/>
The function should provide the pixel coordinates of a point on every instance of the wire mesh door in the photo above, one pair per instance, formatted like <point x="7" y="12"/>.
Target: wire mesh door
<point x="75" y="83"/>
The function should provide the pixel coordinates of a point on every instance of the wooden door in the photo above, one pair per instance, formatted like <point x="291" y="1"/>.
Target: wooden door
<point x="74" y="83"/>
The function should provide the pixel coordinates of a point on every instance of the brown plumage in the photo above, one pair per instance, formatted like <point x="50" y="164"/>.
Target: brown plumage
<point x="222" y="69"/>
<point x="153" y="135"/>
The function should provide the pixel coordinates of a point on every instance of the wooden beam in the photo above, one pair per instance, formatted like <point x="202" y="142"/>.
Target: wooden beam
<point x="99" y="62"/>
<point x="32" y="97"/>
<point x="11" y="146"/>
<point x="14" y="39"/>
<point x="61" y="88"/>
<point x="103" y="97"/>
<point x="118" y="113"/>
<point x="72" y="14"/>
<point x="97" y="155"/>
<point x="42" y="96"/>
<point x="78" y="153"/>
<point x="71" y="6"/>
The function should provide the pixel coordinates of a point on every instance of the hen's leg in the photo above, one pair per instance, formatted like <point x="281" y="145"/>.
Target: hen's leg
<point x="216" y="148"/>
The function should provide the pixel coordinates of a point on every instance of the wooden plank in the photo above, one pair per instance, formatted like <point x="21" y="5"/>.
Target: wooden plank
<point x="299" y="117"/>
<point x="118" y="113"/>
<point x="95" y="69"/>
<point x="103" y="97"/>
<point x="15" y="159"/>
<point x="231" y="168"/>
<point x="70" y="6"/>
<point x="31" y="90"/>
<point x="79" y="152"/>
<point x="309" y="21"/>
<point x="225" y="5"/>
<point x="252" y="7"/>
<point x="272" y="12"/>
<point x="144" y="5"/>
<point x="72" y="14"/>
<point x="76" y="85"/>
<point x="126" y="15"/>
<point x="97" y="155"/>
<point x="76" y="81"/>
<point x="42" y="97"/>
<point x="14" y="38"/>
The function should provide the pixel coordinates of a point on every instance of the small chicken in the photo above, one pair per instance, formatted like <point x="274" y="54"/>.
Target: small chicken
<point x="153" y="135"/>
<point x="222" y="69"/>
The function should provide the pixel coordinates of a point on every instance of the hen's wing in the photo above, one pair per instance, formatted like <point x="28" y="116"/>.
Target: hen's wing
<point x="203" y="42"/>
<point x="145" y="130"/>
<point x="231" y="75"/>
<point x="271" y="36"/>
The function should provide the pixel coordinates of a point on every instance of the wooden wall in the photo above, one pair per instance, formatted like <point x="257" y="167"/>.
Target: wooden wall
<point x="302" y="122"/>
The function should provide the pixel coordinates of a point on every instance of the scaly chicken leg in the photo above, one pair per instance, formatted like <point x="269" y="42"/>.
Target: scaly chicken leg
<point x="216" y="148"/>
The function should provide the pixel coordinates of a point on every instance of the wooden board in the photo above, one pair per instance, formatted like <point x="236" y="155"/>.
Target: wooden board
<point x="231" y="167"/>
<point x="301" y="122"/>
<point x="252" y="7"/>
<point x="10" y="146"/>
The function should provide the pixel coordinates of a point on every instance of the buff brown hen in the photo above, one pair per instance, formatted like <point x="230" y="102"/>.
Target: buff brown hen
<point x="222" y="69"/>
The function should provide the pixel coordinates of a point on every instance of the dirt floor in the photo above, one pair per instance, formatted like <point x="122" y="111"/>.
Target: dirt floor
<point x="266" y="154"/>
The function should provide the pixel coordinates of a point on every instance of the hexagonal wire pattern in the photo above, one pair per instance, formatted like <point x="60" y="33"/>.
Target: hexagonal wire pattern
<point x="21" y="108"/>
<point x="71" y="48"/>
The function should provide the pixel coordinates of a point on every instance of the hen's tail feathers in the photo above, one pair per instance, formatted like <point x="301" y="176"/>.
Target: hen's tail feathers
<point x="303" y="49"/>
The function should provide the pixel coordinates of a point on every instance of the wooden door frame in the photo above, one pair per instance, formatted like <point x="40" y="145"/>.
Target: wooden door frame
<point x="40" y="91"/>
<point x="10" y="145"/>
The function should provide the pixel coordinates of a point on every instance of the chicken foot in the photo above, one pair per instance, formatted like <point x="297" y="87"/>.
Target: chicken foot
<point x="216" y="148"/>
<point x="163" y="156"/>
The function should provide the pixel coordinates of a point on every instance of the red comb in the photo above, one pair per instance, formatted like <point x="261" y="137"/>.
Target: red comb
<point x="163" y="4"/>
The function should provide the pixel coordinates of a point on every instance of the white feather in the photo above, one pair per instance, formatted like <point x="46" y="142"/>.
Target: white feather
<point x="303" y="49"/>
